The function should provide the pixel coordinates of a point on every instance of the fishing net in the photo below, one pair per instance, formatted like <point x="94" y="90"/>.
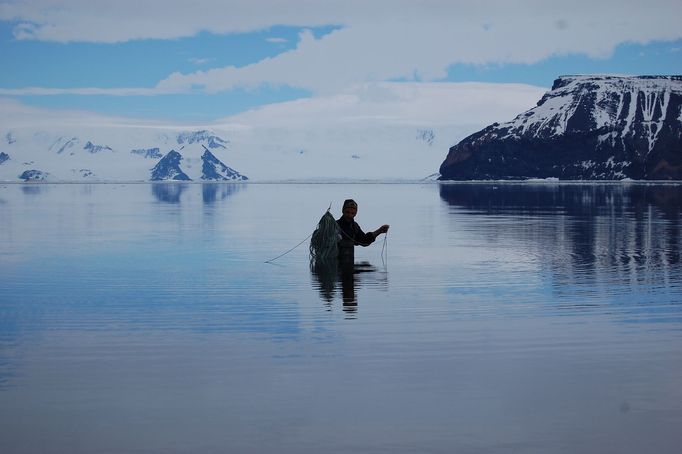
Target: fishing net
<point x="323" y="242"/>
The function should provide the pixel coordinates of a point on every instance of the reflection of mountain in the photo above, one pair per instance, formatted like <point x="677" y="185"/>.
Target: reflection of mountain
<point x="168" y="192"/>
<point x="571" y="199"/>
<point x="212" y="192"/>
<point x="33" y="189"/>
<point x="630" y="230"/>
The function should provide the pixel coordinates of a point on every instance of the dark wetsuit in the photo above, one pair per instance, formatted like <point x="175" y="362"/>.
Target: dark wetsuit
<point x="352" y="235"/>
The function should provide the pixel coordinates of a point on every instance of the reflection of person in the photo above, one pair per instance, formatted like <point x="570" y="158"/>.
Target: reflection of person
<point x="348" y="294"/>
<point x="350" y="232"/>
<point x="350" y="276"/>
<point x="329" y="273"/>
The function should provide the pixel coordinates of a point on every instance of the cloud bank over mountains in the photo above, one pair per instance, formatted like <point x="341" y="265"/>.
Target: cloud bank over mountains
<point x="396" y="104"/>
<point x="383" y="130"/>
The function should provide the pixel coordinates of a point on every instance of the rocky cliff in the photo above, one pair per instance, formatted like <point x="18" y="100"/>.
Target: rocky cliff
<point x="585" y="128"/>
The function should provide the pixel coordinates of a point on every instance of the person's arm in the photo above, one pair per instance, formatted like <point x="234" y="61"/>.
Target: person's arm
<point x="365" y="239"/>
<point x="380" y="230"/>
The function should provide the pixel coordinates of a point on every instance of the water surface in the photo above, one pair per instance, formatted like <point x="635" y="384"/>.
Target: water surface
<point x="495" y="318"/>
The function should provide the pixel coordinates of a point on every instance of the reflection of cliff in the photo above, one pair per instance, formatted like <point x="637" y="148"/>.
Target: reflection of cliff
<point x="631" y="232"/>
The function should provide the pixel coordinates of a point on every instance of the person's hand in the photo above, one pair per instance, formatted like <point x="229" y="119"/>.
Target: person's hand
<point x="384" y="228"/>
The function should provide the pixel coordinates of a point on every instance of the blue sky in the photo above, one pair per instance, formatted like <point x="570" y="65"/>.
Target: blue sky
<point x="169" y="61"/>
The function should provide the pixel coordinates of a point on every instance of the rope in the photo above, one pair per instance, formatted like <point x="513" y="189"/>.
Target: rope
<point x="285" y="253"/>
<point x="383" y="247"/>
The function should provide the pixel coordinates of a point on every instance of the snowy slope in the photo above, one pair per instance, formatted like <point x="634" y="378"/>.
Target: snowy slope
<point x="618" y="104"/>
<point x="343" y="152"/>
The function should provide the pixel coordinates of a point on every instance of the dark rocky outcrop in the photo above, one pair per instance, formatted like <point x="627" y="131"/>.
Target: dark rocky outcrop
<point x="168" y="168"/>
<point x="64" y="143"/>
<point x="3" y="157"/>
<point x="92" y="148"/>
<point x="150" y="153"/>
<point x="213" y="169"/>
<point x="585" y="128"/>
<point x="33" y="175"/>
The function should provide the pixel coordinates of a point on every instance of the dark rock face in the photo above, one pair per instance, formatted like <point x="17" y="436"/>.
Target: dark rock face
<point x="4" y="157"/>
<point x="62" y="144"/>
<point x="585" y="128"/>
<point x="151" y="153"/>
<point x="213" y="169"/>
<point x="168" y="168"/>
<point x="92" y="148"/>
<point x="33" y="175"/>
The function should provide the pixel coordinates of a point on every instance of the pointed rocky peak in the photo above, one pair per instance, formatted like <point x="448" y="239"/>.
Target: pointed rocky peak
<point x="168" y="168"/>
<point x="3" y="157"/>
<point x="213" y="168"/>
<point x="203" y="136"/>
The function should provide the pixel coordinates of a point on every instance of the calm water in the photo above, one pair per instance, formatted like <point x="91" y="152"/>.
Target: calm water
<point x="499" y="318"/>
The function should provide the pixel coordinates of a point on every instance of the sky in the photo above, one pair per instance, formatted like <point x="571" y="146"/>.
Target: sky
<point x="205" y="61"/>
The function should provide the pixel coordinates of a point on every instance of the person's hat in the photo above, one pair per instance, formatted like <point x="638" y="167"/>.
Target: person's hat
<point x="349" y="203"/>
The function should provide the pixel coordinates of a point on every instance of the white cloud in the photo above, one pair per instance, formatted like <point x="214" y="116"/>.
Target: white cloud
<point x="123" y="20"/>
<point x="277" y="40"/>
<point x="15" y="114"/>
<point x="386" y="103"/>
<point x="422" y="45"/>
<point x="397" y="104"/>
<point x="377" y="40"/>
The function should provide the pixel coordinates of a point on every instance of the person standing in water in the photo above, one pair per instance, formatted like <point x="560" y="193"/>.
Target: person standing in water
<point x="351" y="234"/>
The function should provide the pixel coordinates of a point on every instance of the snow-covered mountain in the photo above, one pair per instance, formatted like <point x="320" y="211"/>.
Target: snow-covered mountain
<point x="587" y="127"/>
<point x="212" y="169"/>
<point x="149" y="153"/>
<point x="115" y="154"/>
<point x="377" y="131"/>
